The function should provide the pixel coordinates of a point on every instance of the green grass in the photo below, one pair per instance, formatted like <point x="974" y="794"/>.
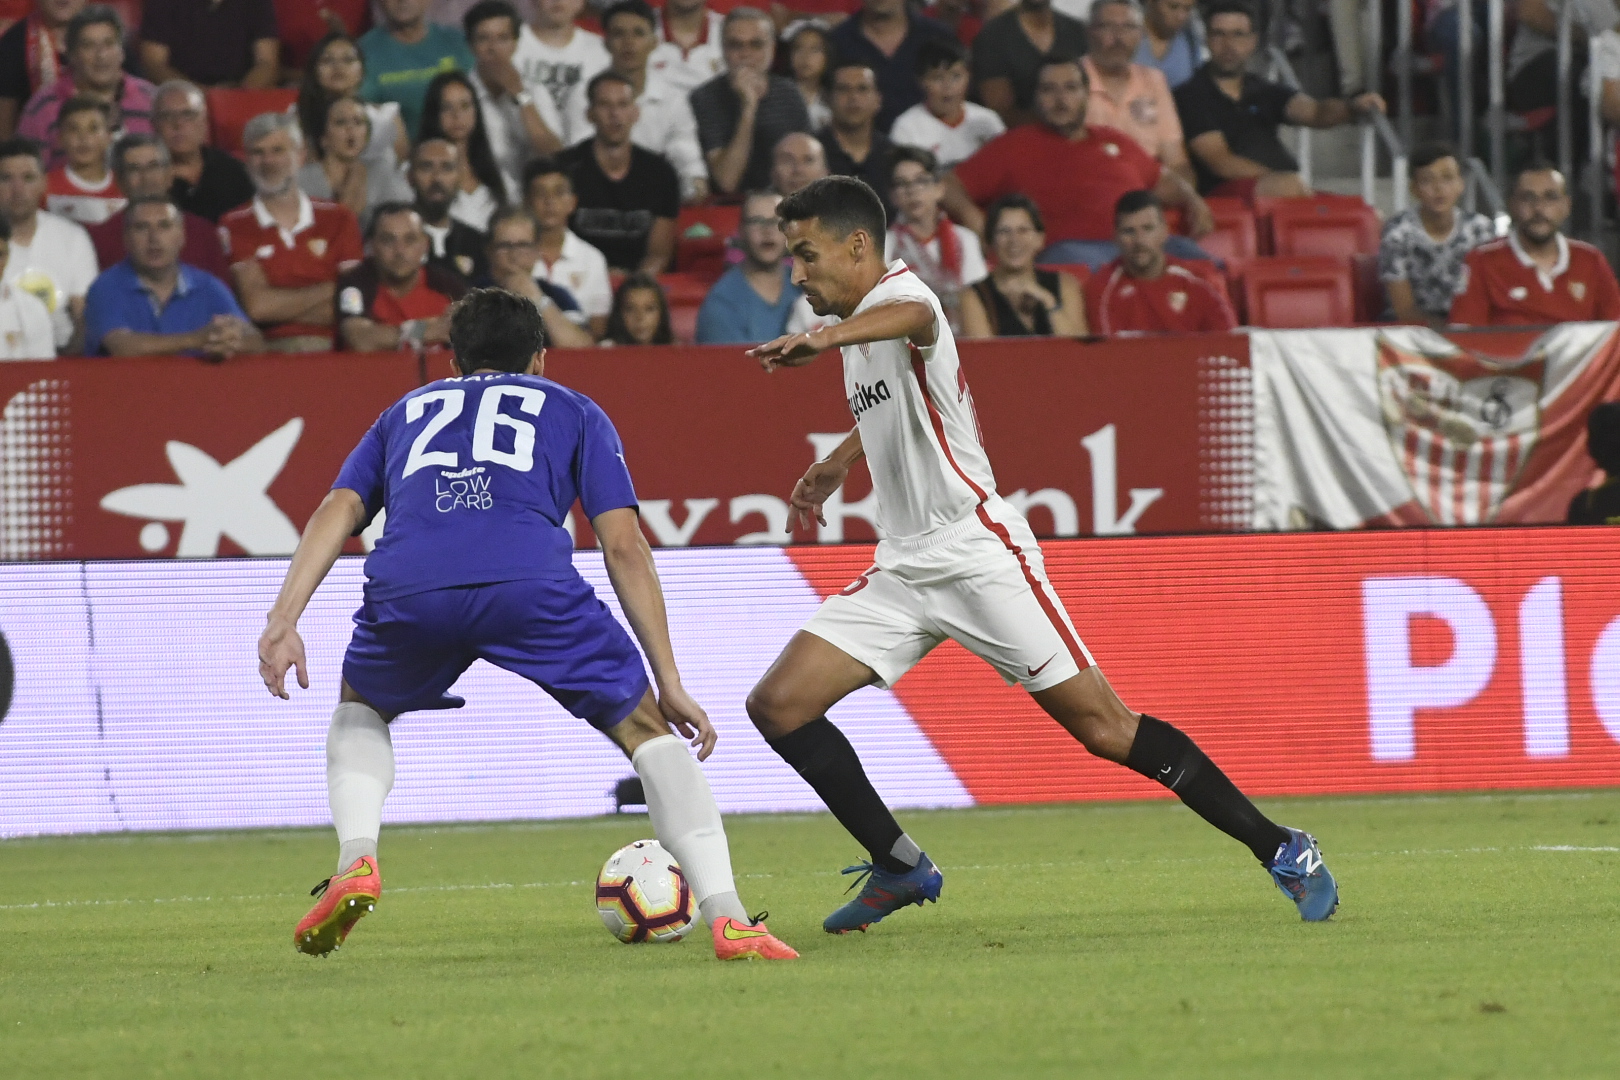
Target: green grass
<point x="1109" y="940"/>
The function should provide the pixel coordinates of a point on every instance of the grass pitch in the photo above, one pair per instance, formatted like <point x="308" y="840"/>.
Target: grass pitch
<point x="1478" y="938"/>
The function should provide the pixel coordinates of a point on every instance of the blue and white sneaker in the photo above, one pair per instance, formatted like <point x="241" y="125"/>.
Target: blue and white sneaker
<point x="883" y="893"/>
<point x="1299" y="871"/>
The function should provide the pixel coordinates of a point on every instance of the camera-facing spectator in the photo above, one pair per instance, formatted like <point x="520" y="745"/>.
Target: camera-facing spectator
<point x="854" y="145"/>
<point x="83" y="188"/>
<point x="666" y="125"/>
<point x="395" y="298"/>
<point x="51" y="256"/>
<point x="809" y="62"/>
<point x="1017" y="299"/>
<point x="562" y="57"/>
<point x="450" y="112"/>
<point x="207" y="182"/>
<point x="640" y="314"/>
<point x="1146" y="292"/>
<point x="152" y="304"/>
<point x="886" y="37"/>
<point x="945" y="122"/>
<point x="1172" y="40"/>
<point x="1128" y="96"/>
<point x="513" y="247"/>
<point x="797" y="160"/>
<point x="1535" y="275"/>
<point x="141" y="163"/>
<point x="1008" y="52"/>
<point x="1600" y="505"/>
<point x="688" y="54"/>
<point x="628" y="196"/>
<point x="435" y="177"/>
<point x="95" y="68"/>
<point x="752" y="300"/>
<point x="337" y="69"/>
<point x="338" y="170"/>
<point x="403" y="54"/>
<point x="25" y="322"/>
<point x="944" y="254"/>
<point x="562" y="257"/>
<point x="1420" y="258"/>
<point x="742" y="114"/>
<point x="212" y="42"/>
<point x="519" y="116"/>
<point x="286" y="249"/>
<point x="33" y="53"/>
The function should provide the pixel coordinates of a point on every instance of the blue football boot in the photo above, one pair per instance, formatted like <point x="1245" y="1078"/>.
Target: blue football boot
<point x="1299" y="871"/>
<point x="883" y="893"/>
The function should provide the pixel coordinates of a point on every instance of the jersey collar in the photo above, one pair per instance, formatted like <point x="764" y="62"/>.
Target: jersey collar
<point x="709" y="18"/>
<point x="306" y="218"/>
<point x="1544" y="277"/>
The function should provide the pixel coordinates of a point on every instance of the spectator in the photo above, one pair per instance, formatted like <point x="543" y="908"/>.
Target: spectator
<point x="1146" y="292"/>
<point x="1535" y="276"/>
<point x="688" y="54"/>
<point x="287" y="250"/>
<point x="628" y="196"/>
<point x="1420" y="258"/>
<point x="752" y="300"/>
<point x="885" y="37"/>
<point x="797" y="160"/>
<point x="1017" y="299"/>
<point x="562" y="257"/>
<point x="33" y="53"/>
<point x="640" y="314"/>
<point x="945" y="122"/>
<point x="212" y="42"/>
<point x="520" y="118"/>
<point x="562" y="57"/>
<point x="450" y="112"/>
<point x="1075" y="174"/>
<point x="1600" y="505"/>
<point x="1172" y="40"/>
<point x="435" y="176"/>
<point x="404" y="54"/>
<point x="304" y="26"/>
<point x="1532" y="62"/>
<point x="666" y="125"/>
<point x="945" y="255"/>
<point x="1127" y="96"/>
<point x="454" y="12"/>
<point x="25" y="322"/>
<point x="338" y="170"/>
<point x="853" y="144"/>
<point x="809" y="62"/>
<point x="960" y="17"/>
<point x="336" y="69"/>
<point x="1230" y="117"/>
<point x="513" y="248"/>
<point x="152" y="304"/>
<point x="743" y="114"/>
<point x="1007" y="56"/>
<point x="51" y="256"/>
<point x="392" y="300"/>
<point x="207" y="182"/>
<point x="95" y="68"/>
<point x="141" y="164"/>
<point x="83" y="188"/>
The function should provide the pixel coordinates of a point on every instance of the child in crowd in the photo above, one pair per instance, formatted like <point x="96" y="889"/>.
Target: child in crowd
<point x="83" y="187"/>
<point x="945" y="123"/>
<point x="944" y="254"/>
<point x="807" y="60"/>
<point x="1420" y="258"/>
<point x="640" y="314"/>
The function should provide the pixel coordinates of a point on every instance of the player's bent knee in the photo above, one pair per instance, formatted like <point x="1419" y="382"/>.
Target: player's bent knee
<point x="644" y="724"/>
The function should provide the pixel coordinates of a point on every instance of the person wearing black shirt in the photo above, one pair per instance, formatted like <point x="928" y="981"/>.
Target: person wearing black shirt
<point x="207" y="182"/>
<point x="854" y="145"/>
<point x="886" y="38"/>
<point x="435" y="176"/>
<point x="628" y="196"/>
<point x="1601" y="505"/>
<point x="1007" y="56"/>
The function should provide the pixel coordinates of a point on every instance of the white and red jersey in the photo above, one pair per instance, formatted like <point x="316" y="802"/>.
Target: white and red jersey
<point x="916" y="419"/>
<point x="77" y="199"/>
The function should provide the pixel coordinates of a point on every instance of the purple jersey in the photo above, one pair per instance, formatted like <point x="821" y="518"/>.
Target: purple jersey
<point x="477" y="474"/>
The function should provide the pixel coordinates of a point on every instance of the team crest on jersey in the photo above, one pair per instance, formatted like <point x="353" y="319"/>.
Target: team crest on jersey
<point x="317" y="247"/>
<point x="265" y="251"/>
<point x="1518" y="292"/>
<point x="1111" y="149"/>
<point x="1178" y="302"/>
<point x="1577" y="289"/>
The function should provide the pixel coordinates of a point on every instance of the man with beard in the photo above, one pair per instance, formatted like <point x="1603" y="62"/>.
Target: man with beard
<point x="752" y="300"/>
<point x="434" y="176"/>
<point x="1007" y="56"/>
<point x="1146" y="292"/>
<point x="628" y="196"/>
<point x="391" y="300"/>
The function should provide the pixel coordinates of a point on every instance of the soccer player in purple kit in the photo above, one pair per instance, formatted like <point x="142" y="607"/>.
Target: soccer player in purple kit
<point x="477" y="474"/>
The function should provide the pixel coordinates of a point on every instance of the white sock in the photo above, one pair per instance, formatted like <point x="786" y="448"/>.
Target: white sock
<point x="359" y="775"/>
<point x="687" y="822"/>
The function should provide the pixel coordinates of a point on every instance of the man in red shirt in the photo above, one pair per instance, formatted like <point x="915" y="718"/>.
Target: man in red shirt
<point x="393" y="301"/>
<point x="1535" y="275"/>
<point x="286" y="249"/>
<point x="1075" y="172"/>
<point x="1145" y="292"/>
<point x="141" y="165"/>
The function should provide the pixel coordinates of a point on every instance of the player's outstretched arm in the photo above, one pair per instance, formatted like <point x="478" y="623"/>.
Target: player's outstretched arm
<point x="280" y="647"/>
<point x="909" y="319"/>
<point x="635" y="581"/>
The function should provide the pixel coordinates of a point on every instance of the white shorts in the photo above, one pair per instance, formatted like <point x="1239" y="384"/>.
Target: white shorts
<point x="980" y="582"/>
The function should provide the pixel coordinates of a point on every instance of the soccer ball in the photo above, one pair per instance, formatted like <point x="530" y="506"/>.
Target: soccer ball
<point x="642" y="895"/>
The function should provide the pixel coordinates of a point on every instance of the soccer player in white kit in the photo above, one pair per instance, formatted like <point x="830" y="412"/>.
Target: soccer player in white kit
<point x="955" y="561"/>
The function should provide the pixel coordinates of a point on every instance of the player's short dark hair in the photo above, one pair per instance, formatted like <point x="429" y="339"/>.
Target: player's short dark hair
<point x="1426" y="154"/>
<point x="1230" y="7"/>
<point x="938" y="52"/>
<point x="545" y="166"/>
<point x="1603" y="437"/>
<point x="485" y="10"/>
<point x="1133" y="201"/>
<point x="639" y="8"/>
<point x="1016" y="201"/>
<point x="602" y="79"/>
<point x="492" y="328"/>
<point x="1535" y="165"/>
<point x="92" y="15"/>
<point x="388" y="209"/>
<point x="22" y="146"/>
<point x="1062" y="59"/>
<point x="841" y="203"/>
<point x="916" y="155"/>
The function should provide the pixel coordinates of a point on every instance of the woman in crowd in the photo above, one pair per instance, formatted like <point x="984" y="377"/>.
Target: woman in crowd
<point x="339" y="171"/>
<point x="450" y="111"/>
<point x="807" y="58"/>
<point x="640" y="314"/>
<point x="944" y="254"/>
<point x="1017" y="300"/>
<point x="336" y="70"/>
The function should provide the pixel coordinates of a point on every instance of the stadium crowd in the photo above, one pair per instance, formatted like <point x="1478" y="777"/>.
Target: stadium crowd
<point x="620" y="167"/>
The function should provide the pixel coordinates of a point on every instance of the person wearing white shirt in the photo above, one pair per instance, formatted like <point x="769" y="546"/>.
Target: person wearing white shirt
<point x="565" y="259"/>
<point x="554" y="53"/>
<point x="944" y="254"/>
<point x="945" y="122"/>
<point x="51" y="257"/>
<point x="688" y="52"/>
<point x="520" y="118"/>
<point x="666" y="125"/>
<point x="25" y="323"/>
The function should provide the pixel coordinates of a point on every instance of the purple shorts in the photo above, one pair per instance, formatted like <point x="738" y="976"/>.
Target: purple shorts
<point x="407" y="651"/>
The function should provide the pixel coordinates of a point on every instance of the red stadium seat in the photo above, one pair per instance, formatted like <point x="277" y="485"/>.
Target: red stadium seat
<point x="684" y="288"/>
<point x="1307" y="227"/>
<point x="1282" y="293"/>
<point x="1236" y="238"/>
<point x="229" y="111"/>
<point x="683" y="323"/>
<point x="702" y="235"/>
